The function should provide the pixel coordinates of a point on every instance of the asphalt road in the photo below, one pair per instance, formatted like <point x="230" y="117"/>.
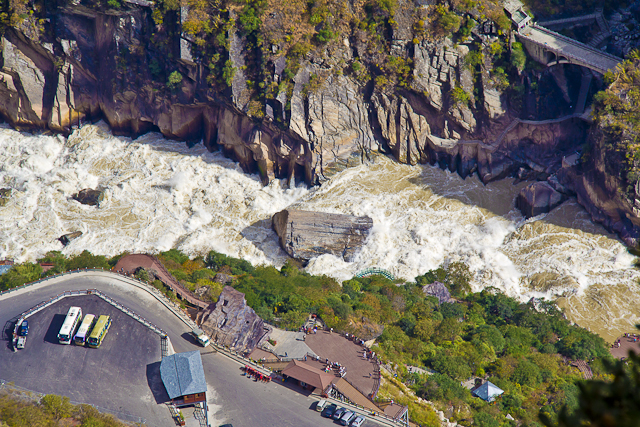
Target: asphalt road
<point x="119" y="383"/>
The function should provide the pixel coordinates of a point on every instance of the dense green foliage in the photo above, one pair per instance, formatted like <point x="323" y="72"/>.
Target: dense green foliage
<point x="517" y="346"/>
<point x="50" y="411"/>
<point x="604" y="403"/>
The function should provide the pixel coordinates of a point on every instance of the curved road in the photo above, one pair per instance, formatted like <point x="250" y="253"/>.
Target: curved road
<point x="232" y="397"/>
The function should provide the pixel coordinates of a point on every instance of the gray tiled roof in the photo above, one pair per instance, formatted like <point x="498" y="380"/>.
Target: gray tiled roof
<point x="182" y="374"/>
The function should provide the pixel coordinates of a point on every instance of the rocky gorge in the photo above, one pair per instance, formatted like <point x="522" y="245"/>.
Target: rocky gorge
<point x="69" y="64"/>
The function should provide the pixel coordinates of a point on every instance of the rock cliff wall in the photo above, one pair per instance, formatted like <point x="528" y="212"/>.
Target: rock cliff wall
<point x="598" y="182"/>
<point x="84" y="65"/>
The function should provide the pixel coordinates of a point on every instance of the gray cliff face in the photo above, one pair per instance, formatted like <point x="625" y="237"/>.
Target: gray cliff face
<point x="304" y="235"/>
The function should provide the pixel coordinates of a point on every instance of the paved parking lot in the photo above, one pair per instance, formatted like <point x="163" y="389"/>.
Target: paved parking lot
<point x="113" y="376"/>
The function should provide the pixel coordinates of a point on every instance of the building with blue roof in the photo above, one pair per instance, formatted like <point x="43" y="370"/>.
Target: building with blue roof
<point x="183" y="378"/>
<point x="487" y="391"/>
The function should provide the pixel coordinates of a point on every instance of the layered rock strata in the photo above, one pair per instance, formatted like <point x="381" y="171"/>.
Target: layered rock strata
<point x="304" y="235"/>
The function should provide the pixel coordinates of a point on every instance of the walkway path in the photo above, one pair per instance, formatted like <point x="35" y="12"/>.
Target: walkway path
<point x="626" y="344"/>
<point x="130" y="263"/>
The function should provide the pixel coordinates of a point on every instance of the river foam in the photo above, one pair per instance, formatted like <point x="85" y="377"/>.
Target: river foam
<point x="160" y="194"/>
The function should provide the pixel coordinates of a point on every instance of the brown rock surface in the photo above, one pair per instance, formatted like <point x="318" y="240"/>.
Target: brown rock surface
<point x="231" y="322"/>
<point x="305" y="234"/>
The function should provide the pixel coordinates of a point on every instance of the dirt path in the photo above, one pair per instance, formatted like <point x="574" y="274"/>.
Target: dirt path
<point x="129" y="263"/>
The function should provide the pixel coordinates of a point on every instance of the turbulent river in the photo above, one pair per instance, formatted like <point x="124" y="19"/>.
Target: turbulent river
<point x="160" y="194"/>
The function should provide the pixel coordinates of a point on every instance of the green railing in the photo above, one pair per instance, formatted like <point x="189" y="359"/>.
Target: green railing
<point x="374" y="270"/>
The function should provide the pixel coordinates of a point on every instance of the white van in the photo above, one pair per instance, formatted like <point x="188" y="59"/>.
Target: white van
<point x="320" y="404"/>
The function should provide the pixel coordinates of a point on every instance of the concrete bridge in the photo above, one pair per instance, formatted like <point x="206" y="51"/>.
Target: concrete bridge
<point x="550" y="48"/>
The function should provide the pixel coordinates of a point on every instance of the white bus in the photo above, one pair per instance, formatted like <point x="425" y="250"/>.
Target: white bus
<point x="70" y="324"/>
<point x="85" y="327"/>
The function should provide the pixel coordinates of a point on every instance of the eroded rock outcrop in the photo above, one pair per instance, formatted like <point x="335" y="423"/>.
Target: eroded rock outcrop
<point x="231" y="322"/>
<point x="65" y="239"/>
<point x="538" y="198"/>
<point x="597" y="181"/>
<point x="304" y="235"/>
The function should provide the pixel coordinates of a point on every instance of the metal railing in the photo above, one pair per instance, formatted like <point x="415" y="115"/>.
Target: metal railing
<point x="177" y="310"/>
<point x="375" y="270"/>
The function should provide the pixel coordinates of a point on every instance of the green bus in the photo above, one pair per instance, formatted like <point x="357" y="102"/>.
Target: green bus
<point x="99" y="331"/>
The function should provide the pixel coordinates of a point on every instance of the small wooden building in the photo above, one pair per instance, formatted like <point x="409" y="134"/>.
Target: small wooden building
<point x="183" y="377"/>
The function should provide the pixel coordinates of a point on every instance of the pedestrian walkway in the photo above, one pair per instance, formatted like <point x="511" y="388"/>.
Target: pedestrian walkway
<point x="573" y="51"/>
<point x="361" y="371"/>
<point x="626" y="344"/>
<point x="290" y="345"/>
<point x="130" y="263"/>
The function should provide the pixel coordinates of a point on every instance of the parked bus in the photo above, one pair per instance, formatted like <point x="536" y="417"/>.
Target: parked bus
<point x="85" y="328"/>
<point x="70" y="324"/>
<point x="99" y="331"/>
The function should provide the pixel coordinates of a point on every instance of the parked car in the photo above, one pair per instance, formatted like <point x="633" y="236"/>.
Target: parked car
<point x="357" y="422"/>
<point x="24" y="328"/>
<point x="328" y="411"/>
<point x="320" y="404"/>
<point x="346" y="418"/>
<point x="336" y="415"/>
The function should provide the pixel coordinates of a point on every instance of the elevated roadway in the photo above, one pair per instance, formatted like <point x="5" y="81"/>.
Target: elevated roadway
<point x="549" y="47"/>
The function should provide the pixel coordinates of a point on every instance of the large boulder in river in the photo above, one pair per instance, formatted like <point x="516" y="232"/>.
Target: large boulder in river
<point x="65" y="239"/>
<point x="538" y="198"/>
<point x="231" y="322"/>
<point x="5" y="195"/>
<point x="305" y="234"/>
<point x="88" y="196"/>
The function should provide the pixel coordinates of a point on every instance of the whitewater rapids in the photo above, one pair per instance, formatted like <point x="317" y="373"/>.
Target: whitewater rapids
<point x="160" y="194"/>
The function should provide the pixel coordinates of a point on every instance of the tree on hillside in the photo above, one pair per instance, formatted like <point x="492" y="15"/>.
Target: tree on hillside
<point x="605" y="403"/>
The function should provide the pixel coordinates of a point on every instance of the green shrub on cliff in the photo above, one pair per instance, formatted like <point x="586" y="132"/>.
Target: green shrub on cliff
<point x="18" y="409"/>
<point x="617" y="114"/>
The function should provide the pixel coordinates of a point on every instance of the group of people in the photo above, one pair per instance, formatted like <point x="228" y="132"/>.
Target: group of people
<point x="250" y="372"/>
<point x="329" y="365"/>
<point x="629" y="338"/>
<point x="353" y="338"/>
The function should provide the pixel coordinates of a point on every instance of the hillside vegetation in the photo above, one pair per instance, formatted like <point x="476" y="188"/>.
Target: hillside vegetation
<point x="18" y="410"/>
